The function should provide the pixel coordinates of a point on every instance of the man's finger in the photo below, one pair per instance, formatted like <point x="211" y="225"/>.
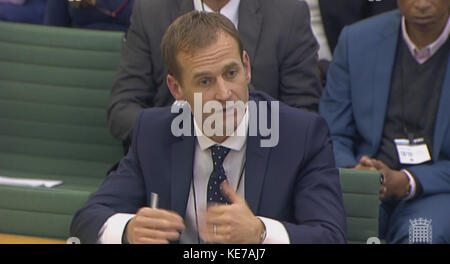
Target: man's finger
<point x="379" y="165"/>
<point x="232" y="196"/>
<point x="366" y="161"/>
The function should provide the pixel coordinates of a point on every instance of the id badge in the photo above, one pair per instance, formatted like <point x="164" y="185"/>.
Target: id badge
<point x="412" y="153"/>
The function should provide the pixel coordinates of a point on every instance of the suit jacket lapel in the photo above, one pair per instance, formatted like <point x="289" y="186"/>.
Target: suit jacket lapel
<point x="255" y="168"/>
<point x="250" y="21"/>
<point x="443" y="117"/>
<point x="385" y="57"/>
<point x="182" y="164"/>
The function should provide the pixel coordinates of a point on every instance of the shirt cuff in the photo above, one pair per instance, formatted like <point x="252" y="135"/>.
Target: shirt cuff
<point x="112" y="230"/>
<point x="276" y="232"/>
<point x="412" y="184"/>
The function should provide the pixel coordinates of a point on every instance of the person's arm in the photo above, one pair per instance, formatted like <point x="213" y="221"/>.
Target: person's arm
<point x="319" y="211"/>
<point x="300" y="84"/>
<point x="133" y="88"/>
<point x="57" y="13"/>
<point x="432" y="179"/>
<point x="336" y="106"/>
<point x="123" y="191"/>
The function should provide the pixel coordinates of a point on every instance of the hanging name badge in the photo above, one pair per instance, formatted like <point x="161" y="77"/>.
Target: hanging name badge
<point x="415" y="152"/>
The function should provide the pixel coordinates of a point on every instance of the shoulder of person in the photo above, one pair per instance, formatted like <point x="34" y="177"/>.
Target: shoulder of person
<point x="373" y="24"/>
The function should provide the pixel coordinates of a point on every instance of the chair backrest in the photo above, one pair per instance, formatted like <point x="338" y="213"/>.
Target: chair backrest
<point x="54" y="89"/>
<point x="360" y="191"/>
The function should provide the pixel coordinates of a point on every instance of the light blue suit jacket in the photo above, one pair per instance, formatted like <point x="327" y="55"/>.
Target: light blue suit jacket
<point x="356" y="97"/>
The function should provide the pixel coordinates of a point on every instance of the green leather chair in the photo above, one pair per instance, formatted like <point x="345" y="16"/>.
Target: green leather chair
<point x="360" y="192"/>
<point x="54" y="90"/>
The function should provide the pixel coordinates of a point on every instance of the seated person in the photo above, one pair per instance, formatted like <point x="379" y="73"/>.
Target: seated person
<point x="328" y="17"/>
<point x="92" y="14"/>
<point x="276" y="34"/>
<point x="336" y="14"/>
<point x="23" y="11"/>
<point x="387" y="105"/>
<point x="218" y="187"/>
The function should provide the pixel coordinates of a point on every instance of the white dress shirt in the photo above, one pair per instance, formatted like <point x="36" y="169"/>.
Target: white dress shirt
<point x="422" y="55"/>
<point x="319" y="30"/>
<point x="234" y="166"/>
<point x="230" y="10"/>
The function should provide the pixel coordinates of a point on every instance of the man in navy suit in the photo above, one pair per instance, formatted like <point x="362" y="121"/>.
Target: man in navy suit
<point x="387" y="105"/>
<point x="219" y="187"/>
<point x="276" y="35"/>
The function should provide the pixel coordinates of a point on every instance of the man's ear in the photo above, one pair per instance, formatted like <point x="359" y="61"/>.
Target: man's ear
<point x="247" y="66"/>
<point x="175" y="88"/>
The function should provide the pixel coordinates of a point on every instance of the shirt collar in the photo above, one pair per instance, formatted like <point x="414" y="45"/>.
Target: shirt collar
<point x="234" y="142"/>
<point x="424" y="54"/>
<point x="230" y="10"/>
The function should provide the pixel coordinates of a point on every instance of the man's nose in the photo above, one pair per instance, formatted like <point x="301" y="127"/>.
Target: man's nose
<point x="422" y="5"/>
<point x="223" y="92"/>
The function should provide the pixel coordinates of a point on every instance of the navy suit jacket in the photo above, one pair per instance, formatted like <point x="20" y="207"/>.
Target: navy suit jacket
<point x="294" y="182"/>
<point x="356" y="97"/>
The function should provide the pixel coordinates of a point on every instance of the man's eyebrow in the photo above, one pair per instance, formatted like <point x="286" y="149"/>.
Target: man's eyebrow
<point x="231" y="64"/>
<point x="203" y="73"/>
<point x="200" y="74"/>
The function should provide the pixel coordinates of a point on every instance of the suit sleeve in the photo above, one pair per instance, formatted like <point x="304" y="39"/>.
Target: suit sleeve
<point x="318" y="202"/>
<point x="122" y="192"/>
<point x="336" y="106"/>
<point x="57" y="13"/>
<point x="300" y="84"/>
<point x="433" y="179"/>
<point x="133" y="88"/>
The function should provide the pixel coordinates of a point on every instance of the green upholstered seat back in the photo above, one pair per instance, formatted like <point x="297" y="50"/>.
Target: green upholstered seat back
<point x="54" y="89"/>
<point x="360" y="191"/>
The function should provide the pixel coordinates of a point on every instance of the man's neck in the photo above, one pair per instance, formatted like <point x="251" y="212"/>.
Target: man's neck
<point x="216" y="5"/>
<point x="424" y="35"/>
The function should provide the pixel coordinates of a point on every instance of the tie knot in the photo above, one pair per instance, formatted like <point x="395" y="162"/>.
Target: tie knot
<point x="218" y="154"/>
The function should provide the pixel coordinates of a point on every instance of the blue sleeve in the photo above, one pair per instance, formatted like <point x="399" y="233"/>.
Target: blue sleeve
<point x="434" y="178"/>
<point x="318" y="200"/>
<point x="57" y="13"/>
<point x="336" y="105"/>
<point x="123" y="191"/>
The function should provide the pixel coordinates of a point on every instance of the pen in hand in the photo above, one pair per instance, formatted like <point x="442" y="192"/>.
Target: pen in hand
<point x="154" y="200"/>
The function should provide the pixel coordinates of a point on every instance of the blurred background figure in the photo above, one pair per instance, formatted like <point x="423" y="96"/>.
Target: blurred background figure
<point x="336" y="14"/>
<point x="329" y="17"/>
<point x="25" y="11"/>
<point x="91" y="14"/>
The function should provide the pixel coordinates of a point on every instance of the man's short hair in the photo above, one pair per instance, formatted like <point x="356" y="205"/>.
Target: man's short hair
<point x="193" y="31"/>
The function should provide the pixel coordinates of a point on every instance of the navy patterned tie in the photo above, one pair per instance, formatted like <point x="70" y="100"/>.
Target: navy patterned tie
<point x="214" y="193"/>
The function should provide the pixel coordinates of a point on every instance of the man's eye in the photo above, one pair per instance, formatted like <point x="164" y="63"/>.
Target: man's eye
<point x="231" y="74"/>
<point x="205" y="82"/>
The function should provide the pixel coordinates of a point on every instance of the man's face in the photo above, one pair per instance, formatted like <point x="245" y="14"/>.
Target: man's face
<point x="219" y="73"/>
<point x="425" y="12"/>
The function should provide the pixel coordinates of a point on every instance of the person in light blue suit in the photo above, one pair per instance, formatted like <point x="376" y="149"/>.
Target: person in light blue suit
<point x="387" y="96"/>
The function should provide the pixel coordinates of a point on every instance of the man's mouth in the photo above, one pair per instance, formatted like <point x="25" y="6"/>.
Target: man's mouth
<point x="423" y="19"/>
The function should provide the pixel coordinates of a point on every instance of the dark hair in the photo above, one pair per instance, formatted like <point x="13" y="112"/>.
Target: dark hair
<point x="193" y="31"/>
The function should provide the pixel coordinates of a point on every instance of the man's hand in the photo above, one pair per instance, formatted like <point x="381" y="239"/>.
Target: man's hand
<point x="366" y="163"/>
<point x="154" y="226"/>
<point x="233" y="223"/>
<point x="396" y="183"/>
